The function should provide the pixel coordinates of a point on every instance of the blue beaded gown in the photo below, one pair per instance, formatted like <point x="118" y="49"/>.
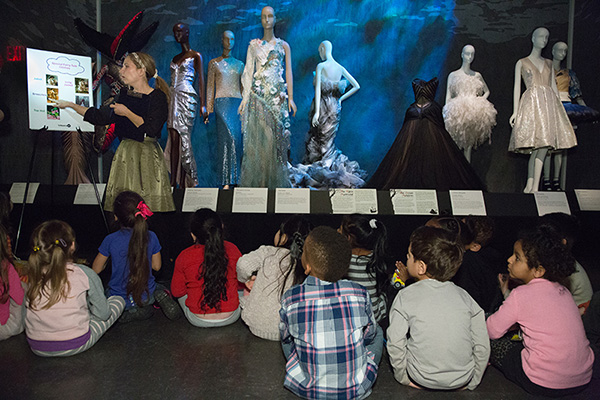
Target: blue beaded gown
<point x="223" y="97"/>
<point x="424" y="155"/>
<point x="265" y="121"/>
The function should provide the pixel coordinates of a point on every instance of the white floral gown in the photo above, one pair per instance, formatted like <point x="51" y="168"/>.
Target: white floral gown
<point x="265" y="121"/>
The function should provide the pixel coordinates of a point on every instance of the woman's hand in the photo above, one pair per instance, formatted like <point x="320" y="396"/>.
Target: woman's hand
<point x="315" y="120"/>
<point x="250" y="283"/>
<point x="62" y="104"/>
<point x="120" y="109"/>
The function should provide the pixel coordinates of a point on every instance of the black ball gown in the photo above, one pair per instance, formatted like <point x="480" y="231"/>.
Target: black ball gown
<point x="424" y="156"/>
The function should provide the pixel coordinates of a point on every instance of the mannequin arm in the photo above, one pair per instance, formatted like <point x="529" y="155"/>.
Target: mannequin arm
<point x="201" y="89"/>
<point x="210" y="87"/>
<point x="554" y="87"/>
<point x="315" y="119"/>
<point x="289" y="78"/>
<point x="247" y="79"/>
<point x="486" y="90"/>
<point x="516" y="93"/>
<point x="353" y="82"/>
<point x="448" y="95"/>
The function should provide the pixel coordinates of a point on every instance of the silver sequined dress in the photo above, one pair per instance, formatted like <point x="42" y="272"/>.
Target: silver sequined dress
<point x="541" y="119"/>
<point x="182" y="113"/>
<point x="265" y="122"/>
<point x="223" y="97"/>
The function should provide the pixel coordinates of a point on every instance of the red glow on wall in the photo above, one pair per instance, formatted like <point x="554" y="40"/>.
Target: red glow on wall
<point x="15" y="53"/>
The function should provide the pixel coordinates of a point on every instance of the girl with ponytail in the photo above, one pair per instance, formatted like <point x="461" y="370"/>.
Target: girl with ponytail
<point x="67" y="311"/>
<point x="268" y="272"/>
<point x="134" y="252"/>
<point x="368" y="238"/>
<point x="205" y="279"/>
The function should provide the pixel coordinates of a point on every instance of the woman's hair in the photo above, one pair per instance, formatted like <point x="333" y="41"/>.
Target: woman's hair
<point x="207" y="226"/>
<point x="370" y="234"/>
<point x="295" y="229"/>
<point x="127" y="209"/>
<point x="51" y="249"/>
<point x="4" y="263"/>
<point x="438" y="249"/>
<point x="145" y="61"/>
<point x="543" y="246"/>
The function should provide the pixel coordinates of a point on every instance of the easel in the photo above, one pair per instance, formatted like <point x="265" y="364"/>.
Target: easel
<point x="31" y="161"/>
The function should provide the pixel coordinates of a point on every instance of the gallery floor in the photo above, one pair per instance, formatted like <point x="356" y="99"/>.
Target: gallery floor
<point x="162" y="359"/>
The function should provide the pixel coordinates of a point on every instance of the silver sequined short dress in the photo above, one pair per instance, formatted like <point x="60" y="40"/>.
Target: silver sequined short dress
<point x="541" y="120"/>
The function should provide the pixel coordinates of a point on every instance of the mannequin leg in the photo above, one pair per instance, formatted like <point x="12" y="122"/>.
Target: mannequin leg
<point x="558" y="161"/>
<point x="563" y="171"/>
<point x="467" y="151"/>
<point x="547" y="167"/>
<point x="534" y="170"/>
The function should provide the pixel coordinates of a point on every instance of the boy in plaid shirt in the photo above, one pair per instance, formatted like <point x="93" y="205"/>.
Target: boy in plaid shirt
<point x="328" y="331"/>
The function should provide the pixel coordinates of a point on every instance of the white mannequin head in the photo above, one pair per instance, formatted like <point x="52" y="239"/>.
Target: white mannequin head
<point x="228" y="40"/>
<point x="539" y="38"/>
<point x="325" y="49"/>
<point x="559" y="51"/>
<point x="267" y="17"/>
<point x="468" y="54"/>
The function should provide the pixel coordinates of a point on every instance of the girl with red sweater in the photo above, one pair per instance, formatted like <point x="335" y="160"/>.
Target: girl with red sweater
<point x="205" y="278"/>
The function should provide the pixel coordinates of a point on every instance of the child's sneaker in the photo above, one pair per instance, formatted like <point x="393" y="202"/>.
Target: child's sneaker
<point x="169" y="306"/>
<point x="136" y="314"/>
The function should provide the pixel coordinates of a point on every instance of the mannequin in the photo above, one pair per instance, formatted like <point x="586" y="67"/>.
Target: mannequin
<point x="468" y="115"/>
<point x="577" y="111"/>
<point x="539" y="121"/>
<point x="267" y="102"/>
<point x="182" y="110"/>
<point x="324" y="165"/>
<point x="224" y="76"/>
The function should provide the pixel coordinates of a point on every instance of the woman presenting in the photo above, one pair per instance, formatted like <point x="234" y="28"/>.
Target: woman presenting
<point x="139" y="114"/>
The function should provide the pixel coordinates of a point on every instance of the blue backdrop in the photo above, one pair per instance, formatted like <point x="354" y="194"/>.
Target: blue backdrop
<point x="383" y="44"/>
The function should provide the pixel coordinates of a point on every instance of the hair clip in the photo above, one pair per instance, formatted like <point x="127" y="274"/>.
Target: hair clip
<point x="155" y="73"/>
<point x="144" y="210"/>
<point x="373" y="223"/>
<point x="36" y="248"/>
<point x="60" y="242"/>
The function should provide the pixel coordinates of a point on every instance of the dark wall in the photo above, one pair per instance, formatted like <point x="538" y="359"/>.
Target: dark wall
<point x="384" y="44"/>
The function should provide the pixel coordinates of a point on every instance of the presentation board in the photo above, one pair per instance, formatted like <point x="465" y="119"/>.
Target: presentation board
<point x="52" y="76"/>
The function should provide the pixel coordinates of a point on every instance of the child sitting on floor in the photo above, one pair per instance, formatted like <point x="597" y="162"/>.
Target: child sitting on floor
<point x="567" y="227"/>
<point x="205" y="279"/>
<point x="368" y="238"/>
<point x="555" y="358"/>
<point x="269" y="272"/>
<point x="66" y="309"/>
<point x="437" y="337"/>
<point x="134" y="252"/>
<point x="328" y="331"/>
<point x="11" y="293"/>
